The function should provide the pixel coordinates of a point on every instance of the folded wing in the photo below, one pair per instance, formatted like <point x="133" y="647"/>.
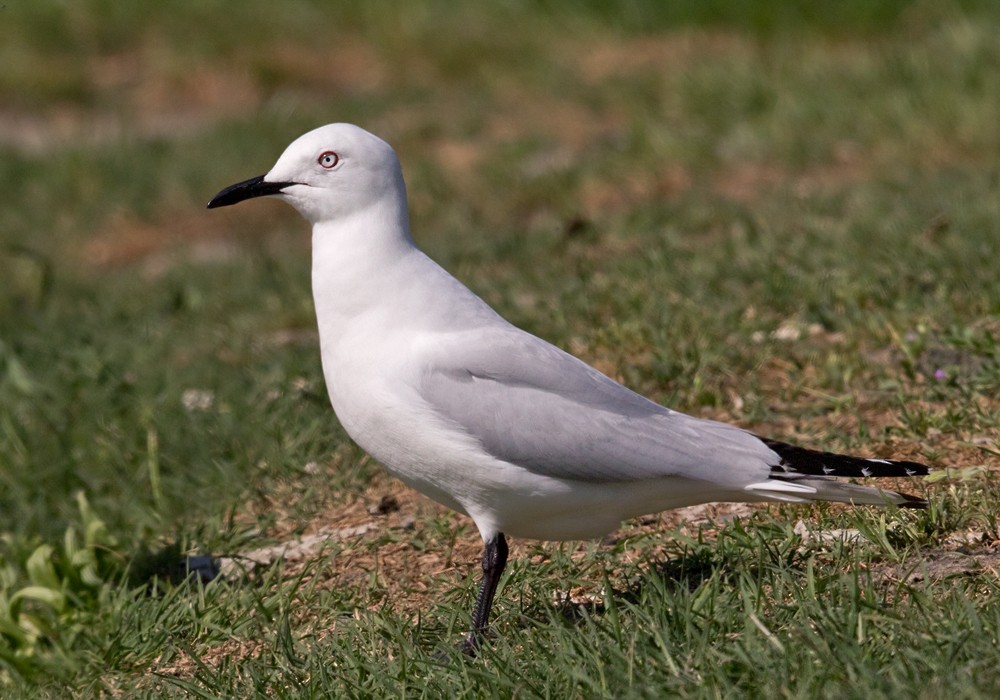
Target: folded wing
<point x="530" y="404"/>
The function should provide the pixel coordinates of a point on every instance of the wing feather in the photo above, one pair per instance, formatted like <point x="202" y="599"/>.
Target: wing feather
<point x="530" y="404"/>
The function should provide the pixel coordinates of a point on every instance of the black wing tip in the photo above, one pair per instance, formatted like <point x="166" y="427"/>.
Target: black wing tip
<point x="802" y="460"/>
<point x="910" y="501"/>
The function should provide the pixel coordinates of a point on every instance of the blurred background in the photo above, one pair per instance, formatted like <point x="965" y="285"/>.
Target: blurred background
<point x="783" y="214"/>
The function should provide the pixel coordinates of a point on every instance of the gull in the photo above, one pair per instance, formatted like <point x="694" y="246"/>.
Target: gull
<point x="487" y="419"/>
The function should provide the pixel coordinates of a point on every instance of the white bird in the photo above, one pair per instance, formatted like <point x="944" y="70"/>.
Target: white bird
<point x="485" y="418"/>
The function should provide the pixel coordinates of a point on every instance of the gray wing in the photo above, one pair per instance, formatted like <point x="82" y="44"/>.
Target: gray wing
<point x="533" y="405"/>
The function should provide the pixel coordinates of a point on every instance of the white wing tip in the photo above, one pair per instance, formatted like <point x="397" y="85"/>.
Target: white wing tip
<point x="776" y="490"/>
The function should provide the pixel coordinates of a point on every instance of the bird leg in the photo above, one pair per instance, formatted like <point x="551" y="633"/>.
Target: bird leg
<point x="494" y="561"/>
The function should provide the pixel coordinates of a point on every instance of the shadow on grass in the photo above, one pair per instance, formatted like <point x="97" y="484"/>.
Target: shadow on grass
<point x="678" y="576"/>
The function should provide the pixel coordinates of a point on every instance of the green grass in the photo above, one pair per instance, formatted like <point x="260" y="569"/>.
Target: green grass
<point x="659" y="191"/>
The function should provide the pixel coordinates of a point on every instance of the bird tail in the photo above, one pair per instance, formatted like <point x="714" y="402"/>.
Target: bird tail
<point x="802" y="475"/>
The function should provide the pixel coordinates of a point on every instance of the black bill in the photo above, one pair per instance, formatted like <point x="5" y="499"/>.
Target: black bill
<point x="254" y="187"/>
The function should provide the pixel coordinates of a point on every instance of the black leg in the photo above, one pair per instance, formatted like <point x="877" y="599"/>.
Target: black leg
<point x="494" y="561"/>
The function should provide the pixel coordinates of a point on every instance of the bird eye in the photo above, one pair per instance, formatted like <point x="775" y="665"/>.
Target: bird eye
<point x="328" y="159"/>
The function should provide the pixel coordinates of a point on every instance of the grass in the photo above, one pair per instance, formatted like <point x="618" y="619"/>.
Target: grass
<point x="760" y="214"/>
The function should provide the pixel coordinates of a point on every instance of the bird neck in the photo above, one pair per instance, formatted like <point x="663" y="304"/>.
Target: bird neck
<point x="369" y="277"/>
<point x="354" y="255"/>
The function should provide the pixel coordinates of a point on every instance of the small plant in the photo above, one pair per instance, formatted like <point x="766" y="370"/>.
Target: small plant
<point x="47" y="596"/>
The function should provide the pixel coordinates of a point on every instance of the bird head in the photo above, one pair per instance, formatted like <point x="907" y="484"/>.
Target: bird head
<point x="327" y="174"/>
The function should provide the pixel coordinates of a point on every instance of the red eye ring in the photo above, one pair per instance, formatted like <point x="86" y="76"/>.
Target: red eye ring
<point x="328" y="160"/>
